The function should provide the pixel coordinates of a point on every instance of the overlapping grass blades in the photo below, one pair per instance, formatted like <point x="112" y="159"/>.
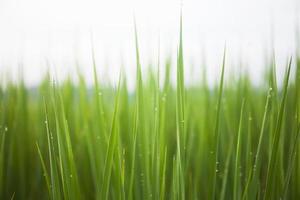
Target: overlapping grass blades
<point x="234" y="140"/>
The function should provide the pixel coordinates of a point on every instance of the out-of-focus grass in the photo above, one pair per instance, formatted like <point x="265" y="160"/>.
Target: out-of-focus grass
<point x="233" y="141"/>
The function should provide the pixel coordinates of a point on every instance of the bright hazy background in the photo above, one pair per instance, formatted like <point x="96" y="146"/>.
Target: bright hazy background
<point x="58" y="32"/>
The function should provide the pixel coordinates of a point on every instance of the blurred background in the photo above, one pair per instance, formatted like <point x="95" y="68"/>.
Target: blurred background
<point x="39" y="34"/>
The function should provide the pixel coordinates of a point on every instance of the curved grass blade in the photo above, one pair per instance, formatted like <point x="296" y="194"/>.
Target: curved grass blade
<point x="253" y="175"/>
<point x="277" y="134"/>
<point x="236" y="183"/>
<point x="180" y="114"/>
<point x="46" y="175"/>
<point x="291" y="162"/>
<point x="137" y="113"/>
<point x="216" y="129"/>
<point x="111" y="148"/>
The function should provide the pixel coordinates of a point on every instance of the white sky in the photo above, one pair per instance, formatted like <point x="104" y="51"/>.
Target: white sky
<point x="33" y="31"/>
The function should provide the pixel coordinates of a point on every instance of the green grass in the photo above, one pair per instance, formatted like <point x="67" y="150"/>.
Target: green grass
<point x="161" y="141"/>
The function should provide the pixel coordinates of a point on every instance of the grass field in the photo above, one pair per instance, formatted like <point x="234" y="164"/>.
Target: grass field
<point x="161" y="141"/>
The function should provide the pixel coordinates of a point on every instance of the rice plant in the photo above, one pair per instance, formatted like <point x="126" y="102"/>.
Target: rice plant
<point x="234" y="140"/>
